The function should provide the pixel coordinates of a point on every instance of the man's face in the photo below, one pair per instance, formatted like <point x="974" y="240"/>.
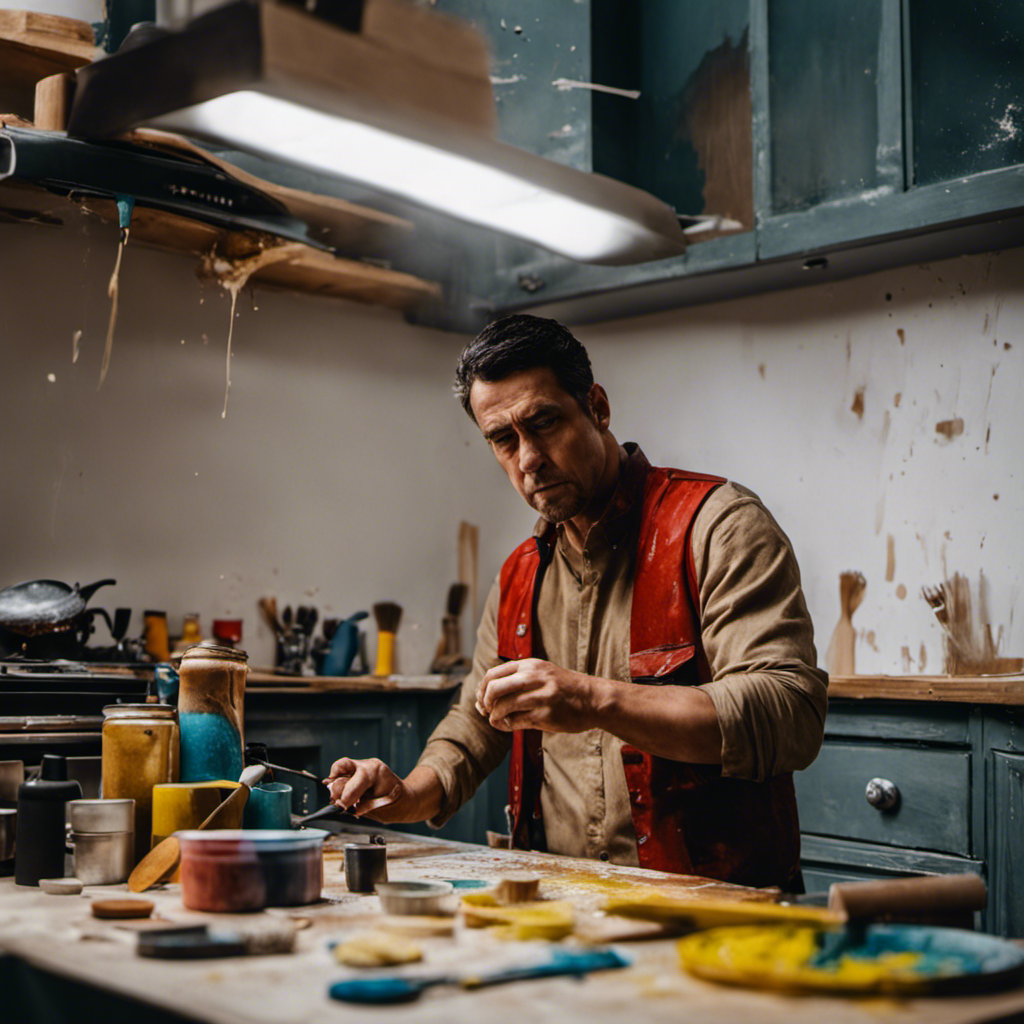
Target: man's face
<point x="553" y="452"/>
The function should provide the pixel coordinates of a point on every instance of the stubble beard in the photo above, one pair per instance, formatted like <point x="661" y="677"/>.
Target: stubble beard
<point x="559" y="509"/>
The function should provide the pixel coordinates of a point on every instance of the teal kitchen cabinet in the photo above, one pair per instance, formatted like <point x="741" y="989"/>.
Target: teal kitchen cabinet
<point x="918" y="787"/>
<point x="842" y="136"/>
<point x="310" y="729"/>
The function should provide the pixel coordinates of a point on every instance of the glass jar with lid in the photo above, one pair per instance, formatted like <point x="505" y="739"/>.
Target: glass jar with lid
<point x="141" y="745"/>
<point x="211" y="702"/>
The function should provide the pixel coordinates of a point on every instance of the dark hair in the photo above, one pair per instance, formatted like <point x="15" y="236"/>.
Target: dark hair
<point x="521" y="342"/>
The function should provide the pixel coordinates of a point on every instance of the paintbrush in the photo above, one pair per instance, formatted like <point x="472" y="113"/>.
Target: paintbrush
<point x="449" y="649"/>
<point x="388" y="615"/>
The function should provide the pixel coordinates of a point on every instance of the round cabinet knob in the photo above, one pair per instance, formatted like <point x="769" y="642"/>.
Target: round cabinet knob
<point x="882" y="794"/>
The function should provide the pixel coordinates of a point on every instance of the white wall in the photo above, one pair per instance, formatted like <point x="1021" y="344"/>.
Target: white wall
<point x="338" y="477"/>
<point x="762" y="390"/>
<point x="343" y="466"/>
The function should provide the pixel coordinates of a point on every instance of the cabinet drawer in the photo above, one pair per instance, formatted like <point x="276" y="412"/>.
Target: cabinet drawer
<point x="933" y="811"/>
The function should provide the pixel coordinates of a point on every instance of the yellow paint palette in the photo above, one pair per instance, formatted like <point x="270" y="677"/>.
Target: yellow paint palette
<point x="883" y="959"/>
<point x="543" y="919"/>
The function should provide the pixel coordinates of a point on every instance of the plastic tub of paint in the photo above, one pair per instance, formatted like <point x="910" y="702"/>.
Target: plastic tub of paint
<point x="227" y="870"/>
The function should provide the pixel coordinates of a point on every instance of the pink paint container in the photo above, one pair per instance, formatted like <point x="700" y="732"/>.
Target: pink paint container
<point x="229" y="870"/>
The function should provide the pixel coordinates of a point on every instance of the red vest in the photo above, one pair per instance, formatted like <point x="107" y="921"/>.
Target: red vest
<point x="688" y="818"/>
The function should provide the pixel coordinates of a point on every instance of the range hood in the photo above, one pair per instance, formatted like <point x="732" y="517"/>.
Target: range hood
<point x="391" y="95"/>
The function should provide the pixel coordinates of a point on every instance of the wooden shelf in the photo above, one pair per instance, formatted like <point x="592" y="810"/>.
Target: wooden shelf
<point x="263" y="681"/>
<point x="994" y="689"/>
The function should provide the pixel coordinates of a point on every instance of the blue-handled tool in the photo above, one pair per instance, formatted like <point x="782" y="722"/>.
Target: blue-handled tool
<point x="399" y="989"/>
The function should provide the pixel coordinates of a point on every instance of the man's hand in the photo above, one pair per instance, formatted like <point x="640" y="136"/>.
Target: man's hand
<point x="370" y="787"/>
<point x="534" y="694"/>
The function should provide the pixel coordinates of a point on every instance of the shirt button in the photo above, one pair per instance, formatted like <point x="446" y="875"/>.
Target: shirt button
<point x="521" y="629"/>
<point x="603" y="855"/>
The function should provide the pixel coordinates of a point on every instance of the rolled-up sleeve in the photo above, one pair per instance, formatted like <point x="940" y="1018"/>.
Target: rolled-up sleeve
<point x="465" y="748"/>
<point x="770" y="697"/>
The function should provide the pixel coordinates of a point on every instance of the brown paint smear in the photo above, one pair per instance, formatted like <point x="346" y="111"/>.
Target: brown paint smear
<point x="902" y="336"/>
<point x="858" y="403"/>
<point x="950" y="428"/>
<point x="890" y="558"/>
<point x="717" y="114"/>
<point x="897" y="398"/>
<point x="969" y="647"/>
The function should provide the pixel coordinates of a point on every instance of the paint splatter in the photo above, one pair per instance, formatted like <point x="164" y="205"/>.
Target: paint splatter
<point x="858" y="403"/>
<point x="901" y="592"/>
<point x="760" y="370"/>
<point x="890" y="558"/>
<point x="950" y="428"/>
<point x="112" y="291"/>
<point x="901" y="335"/>
<point x="905" y="661"/>
<point x="232" y="273"/>
<point x="76" y="340"/>
<point x="52" y="378"/>
<point x="1007" y="346"/>
<point x="922" y="658"/>
<point x="897" y="398"/>
<point x="969" y="646"/>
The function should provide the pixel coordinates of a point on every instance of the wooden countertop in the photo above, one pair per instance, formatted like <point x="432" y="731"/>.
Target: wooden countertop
<point x="267" y="681"/>
<point x="58" y="934"/>
<point x="994" y="689"/>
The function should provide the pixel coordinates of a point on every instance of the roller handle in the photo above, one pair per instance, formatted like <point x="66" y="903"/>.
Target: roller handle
<point x="932" y="896"/>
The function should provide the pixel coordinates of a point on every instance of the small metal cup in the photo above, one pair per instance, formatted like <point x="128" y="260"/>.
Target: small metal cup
<point x="8" y="830"/>
<point x="366" y="864"/>
<point x="103" y="858"/>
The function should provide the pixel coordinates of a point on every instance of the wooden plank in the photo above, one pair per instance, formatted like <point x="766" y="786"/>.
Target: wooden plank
<point x="301" y="268"/>
<point x="348" y="68"/>
<point x="38" y="27"/>
<point x="262" y="679"/>
<point x="995" y="689"/>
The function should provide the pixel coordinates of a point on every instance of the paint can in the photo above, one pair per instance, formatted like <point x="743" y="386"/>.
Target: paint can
<point x="232" y="870"/>
<point x="211" y="696"/>
<point x="366" y="864"/>
<point x="102" y="840"/>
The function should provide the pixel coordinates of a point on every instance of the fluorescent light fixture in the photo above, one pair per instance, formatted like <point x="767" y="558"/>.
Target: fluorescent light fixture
<point x="400" y="100"/>
<point x="586" y="217"/>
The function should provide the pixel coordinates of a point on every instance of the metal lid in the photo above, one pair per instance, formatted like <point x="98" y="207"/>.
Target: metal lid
<point x="102" y="816"/>
<point x="212" y="649"/>
<point x="140" y="711"/>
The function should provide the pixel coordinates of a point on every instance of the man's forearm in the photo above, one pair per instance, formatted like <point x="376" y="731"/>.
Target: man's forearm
<point x="423" y="795"/>
<point x="676" y="722"/>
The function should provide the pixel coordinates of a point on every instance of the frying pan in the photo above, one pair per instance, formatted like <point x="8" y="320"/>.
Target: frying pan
<point x="45" y="606"/>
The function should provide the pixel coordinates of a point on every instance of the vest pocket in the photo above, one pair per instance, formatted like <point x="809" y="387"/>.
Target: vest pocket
<point x="670" y="663"/>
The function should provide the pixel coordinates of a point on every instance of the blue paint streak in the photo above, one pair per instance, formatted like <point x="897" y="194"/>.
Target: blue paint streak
<point x="211" y="747"/>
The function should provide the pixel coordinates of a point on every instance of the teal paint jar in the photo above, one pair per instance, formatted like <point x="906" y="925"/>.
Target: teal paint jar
<point x="211" y="703"/>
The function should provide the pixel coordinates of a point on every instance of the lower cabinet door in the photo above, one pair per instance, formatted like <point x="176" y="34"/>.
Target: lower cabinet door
<point x="1006" y="842"/>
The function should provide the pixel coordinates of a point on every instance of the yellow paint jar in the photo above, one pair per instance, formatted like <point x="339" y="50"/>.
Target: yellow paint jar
<point x="140" y="750"/>
<point x="178" y="806"/>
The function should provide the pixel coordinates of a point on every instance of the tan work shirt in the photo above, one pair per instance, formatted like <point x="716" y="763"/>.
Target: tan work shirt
<point x="769" y="696"/>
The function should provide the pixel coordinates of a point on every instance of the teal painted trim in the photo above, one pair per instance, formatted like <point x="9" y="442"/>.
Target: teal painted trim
<point x="121" y="15"/>
<point x="759" y="107"/>
<point x="563" y="279"/>
<point x="883" y="859"/>
<point x="885" y="213"/>
<point x="909" y="177"/>
<point x="890" y="99"/>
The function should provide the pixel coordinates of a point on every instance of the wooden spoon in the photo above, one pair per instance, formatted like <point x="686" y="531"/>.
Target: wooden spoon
<point x="162" y="860"/>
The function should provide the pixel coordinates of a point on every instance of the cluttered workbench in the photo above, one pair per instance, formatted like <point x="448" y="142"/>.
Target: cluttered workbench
<point x="52" y="944"/>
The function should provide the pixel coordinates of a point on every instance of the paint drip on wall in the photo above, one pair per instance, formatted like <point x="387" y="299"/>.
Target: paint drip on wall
<point x="968" y="643"/>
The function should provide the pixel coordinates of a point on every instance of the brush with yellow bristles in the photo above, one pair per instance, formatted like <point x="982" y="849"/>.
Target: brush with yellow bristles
<point x="388" y="615"/>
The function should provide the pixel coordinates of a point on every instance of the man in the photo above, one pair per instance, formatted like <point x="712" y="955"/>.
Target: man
<point x="647" y="654"/>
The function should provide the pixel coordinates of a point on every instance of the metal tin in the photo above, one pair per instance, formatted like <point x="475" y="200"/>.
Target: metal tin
<point x="103" y="858"/>
<point x="366" y="864"/>
<point x="246" y="869"/>
<point x="425" y="898"/>
<point x="102" y="815"/>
